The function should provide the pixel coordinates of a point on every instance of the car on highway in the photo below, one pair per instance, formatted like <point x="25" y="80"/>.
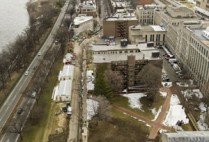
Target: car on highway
<point x="20" y="111"/>
<point x="39" y="53"/>
<point x="26" y="73"/>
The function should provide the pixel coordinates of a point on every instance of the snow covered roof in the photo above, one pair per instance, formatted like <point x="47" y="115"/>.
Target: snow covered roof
<point x="67" y="71"/>
<point x="187" y="136"/>
<point x="107" y="57"/>
<point x="158" y="28"/>
<point x="63" y="89"/>
<point x="81" y="19"/>
<point x="201" y="10"/>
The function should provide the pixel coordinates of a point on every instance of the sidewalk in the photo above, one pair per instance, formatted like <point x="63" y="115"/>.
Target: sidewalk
<point x="158" y="123"/>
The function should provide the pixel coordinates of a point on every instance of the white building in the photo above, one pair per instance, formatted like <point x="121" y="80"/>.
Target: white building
<point x="186" y="136"/>
<point x="66" y="73"/>
<point x="109" y="53"/>
<point x="151" y="33"/>
<point x="83" y="23"/>
<point x="62" y="92"/>
<point x="146" y="13"/>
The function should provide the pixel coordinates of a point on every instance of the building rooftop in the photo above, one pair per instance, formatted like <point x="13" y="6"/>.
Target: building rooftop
<point x="203" y="11"/>
<point x="67" y="71"/>
<point x="155" y="28"/>
<point x="81" y="19"/>
<point x="145" y="52"/>
<point x="180" y="12"/>
<point x="199" y="33"/>
<point x="122" y="15"/>
<point x="63" y="89"/>
<point x="188" y="136"/>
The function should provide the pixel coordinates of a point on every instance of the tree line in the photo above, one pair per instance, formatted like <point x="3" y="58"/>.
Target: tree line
<point x="18" y="54"/>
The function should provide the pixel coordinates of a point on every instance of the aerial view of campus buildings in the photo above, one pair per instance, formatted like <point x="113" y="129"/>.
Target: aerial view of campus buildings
<point x="104" y="71"/>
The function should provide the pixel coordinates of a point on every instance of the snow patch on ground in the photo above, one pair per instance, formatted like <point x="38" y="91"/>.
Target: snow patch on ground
<point x="156" y="113"/>
<point x="92" y="107"/>
<point x="148" y="125"/>
<point x="182" y="84"/>
<point x="201" y="122"/>
<point x="190" y="93"/>
<point x="176" y="113"/>
<point x="90" y="79"/>
<point x="167" y="84"/>
<point x="133" y="99"/>
<point x="164" y="94"/>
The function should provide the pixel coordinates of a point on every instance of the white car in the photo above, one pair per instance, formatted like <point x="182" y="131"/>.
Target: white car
<point x="39" y="53"/>
<point x="26" y="73"/>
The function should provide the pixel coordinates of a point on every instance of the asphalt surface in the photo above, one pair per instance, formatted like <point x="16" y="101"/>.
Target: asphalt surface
<point x="11" y="102"/>
<point x="167" y="68"/>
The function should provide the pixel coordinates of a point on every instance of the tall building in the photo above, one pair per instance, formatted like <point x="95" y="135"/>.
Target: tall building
<point x="188" y="39"/>
<point x="146" y="14"/>
<point x="127" y="60"/>
<point x="118" y="24"/>
<point x="204" y="4"/>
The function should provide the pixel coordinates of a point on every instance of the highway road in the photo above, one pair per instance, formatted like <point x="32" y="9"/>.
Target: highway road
<point x="11" y="102"/>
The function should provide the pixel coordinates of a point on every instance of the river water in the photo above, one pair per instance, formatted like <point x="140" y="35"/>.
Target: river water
<point x="13" y="20"/>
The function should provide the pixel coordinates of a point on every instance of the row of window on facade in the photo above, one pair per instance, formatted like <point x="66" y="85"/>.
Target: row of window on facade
<point x="152" y="37"/>
<point x="203" y="67"/>
<point x="199" y="47"/>
<point x="116" y="52"/>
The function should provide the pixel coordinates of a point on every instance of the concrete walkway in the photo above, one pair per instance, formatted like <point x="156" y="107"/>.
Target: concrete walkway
<point x="158" y="123"/>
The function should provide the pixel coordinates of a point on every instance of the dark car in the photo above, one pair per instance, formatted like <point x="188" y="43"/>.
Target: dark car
<point x="20" y="111"/>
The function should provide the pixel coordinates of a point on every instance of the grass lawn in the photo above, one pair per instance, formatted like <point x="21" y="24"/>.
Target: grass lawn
<point x="34" y="131"/>
<point x="120" y="128"/>
<point x="187" y="127"/>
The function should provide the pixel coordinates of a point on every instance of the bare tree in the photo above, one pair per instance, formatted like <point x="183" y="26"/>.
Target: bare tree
<point x="150" y="75"/>
<point x="103" y="110"/>
<point x="115" y="80"/>
<point x="62" y="36"/>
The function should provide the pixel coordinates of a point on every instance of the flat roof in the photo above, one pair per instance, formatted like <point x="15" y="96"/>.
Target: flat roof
<point x="189" y="135"/>
<point x="122" y="16"/>
<point x="64" y="88"/>
<point x="158" y="28"/>
<point x="68" y="70"/>
<point x="201" y="10"/>
<point x="145" y="53"/>
<point x="81" y="19"/>
<point x="198" y="32"/>
<point x="141" y="46"/>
